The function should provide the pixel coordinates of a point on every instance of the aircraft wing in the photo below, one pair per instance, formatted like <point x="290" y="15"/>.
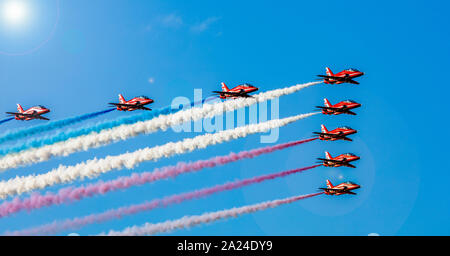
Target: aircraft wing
<point x="143" y="108"/>
<point x="333" y="135"/>
<point x="329" y="108"/>
<point x="41" y="117"/>
<point x="352" y="81"/>
<point x="121" y="104"/>
<point x="340" y="78"/>
<point x="340" y="110"/>
<point x="237" y="94"/>
<point x="137" y="106"/>
<point x="331" y="160"/>
<point x="28" y="115"/>
<point x="12" y="113"/>
<point x="322" y="133"/>
<point x="337" y="78"/>
<point x="334" y="189"/>
<point x="20" y="114"/>
<point x="348" y="165"/>
<point x="231" y="93"/>
<point x="343" y="191"/>
<point x="341" y="162"/>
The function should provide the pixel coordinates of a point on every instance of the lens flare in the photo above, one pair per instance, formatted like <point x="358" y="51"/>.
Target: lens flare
<point x="14" y="12"/>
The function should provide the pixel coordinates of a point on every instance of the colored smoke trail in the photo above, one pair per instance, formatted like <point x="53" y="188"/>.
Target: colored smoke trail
<point x="6" y="120"/>
<point x="25" y="132"/>
<point x="77" y="223"/>
<point x="195" y="220"/>
<point x="65" y="135"/>
<point x="49" y="140"/>
<point x="73" y="142"/>
<point x="93" y="168"/>
<point x="39" y="142"/>
<point x="71" y="194"/>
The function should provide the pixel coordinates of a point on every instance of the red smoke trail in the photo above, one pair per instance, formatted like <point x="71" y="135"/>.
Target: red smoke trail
<point x="71" y="194"/>
<point x="174" y="199"/>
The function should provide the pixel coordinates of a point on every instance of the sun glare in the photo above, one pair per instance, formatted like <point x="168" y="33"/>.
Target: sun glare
<point x="14" y="11"/>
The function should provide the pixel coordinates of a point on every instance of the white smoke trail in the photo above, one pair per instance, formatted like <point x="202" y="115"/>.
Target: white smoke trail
<point x="190" y="221"/>
<point x="124" y="132"/>
<point x="95" y="167"/>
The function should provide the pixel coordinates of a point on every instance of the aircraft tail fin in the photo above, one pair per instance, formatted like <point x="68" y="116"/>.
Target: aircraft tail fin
<point x="224" y="87"/>
<point x="19" y="108"/>
<point x="329" y="185"/>
<point x="329" y="72"/>
<point x="327" y="155"/>
<point x="121" y="99"/>
<point x="327" y="102"/>
<point x="323" y="128"/>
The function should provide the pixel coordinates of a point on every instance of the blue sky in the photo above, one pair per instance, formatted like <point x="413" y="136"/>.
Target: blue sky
<point x="165" y="49"/>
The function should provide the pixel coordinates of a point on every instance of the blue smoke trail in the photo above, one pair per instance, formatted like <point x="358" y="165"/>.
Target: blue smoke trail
<point x="39" y="142"/>
<point x="25" y="132"/>
<point x="6" y="120"/>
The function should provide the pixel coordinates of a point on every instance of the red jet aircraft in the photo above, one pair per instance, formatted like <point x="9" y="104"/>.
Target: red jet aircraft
<point x="340" y="133"/>
<point x="342" y="107"/>
<point x="341" y="189"/>
<point x="341" y="160"/>
<point x="30" y="114"/>
<point x="345" y="76"/>
<point x="133" y="104"/>
<point x="240" y="91"/>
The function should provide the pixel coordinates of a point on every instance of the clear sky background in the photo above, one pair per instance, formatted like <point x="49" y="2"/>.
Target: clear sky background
<point x="78" y="61"/>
